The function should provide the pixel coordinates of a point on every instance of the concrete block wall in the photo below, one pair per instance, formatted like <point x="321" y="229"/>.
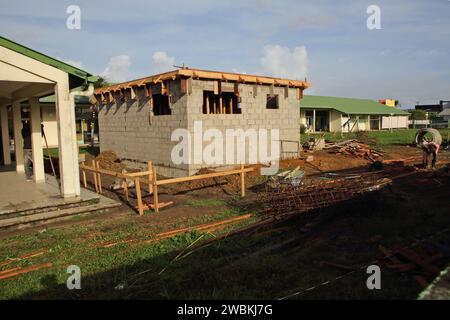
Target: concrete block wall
<point x="125" y="128"/>
<point x="254" y="114"/>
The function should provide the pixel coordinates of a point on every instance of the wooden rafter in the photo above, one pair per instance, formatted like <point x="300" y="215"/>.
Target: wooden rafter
<point x="208" y="75"/>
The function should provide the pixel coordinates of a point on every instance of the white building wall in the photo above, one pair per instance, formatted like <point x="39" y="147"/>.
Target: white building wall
<point x="394" y="122"/>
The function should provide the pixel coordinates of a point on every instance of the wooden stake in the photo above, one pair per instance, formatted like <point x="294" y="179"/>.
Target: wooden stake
<point x="99" y="177"/>
<point x="125" y="187"/>
<point x="94" y="176"/>
<point x="84" y="177"/>
<point x="137" y="184"/>
<point x="149" y="168"/>
<point x="242" y="181"/>
<point x="155" y="191"/>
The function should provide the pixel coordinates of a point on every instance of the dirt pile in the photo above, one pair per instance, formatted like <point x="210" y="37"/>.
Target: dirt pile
<point x="108" y="160"/>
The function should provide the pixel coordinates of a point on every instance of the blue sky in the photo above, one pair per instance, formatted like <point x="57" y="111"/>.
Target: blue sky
<point x="326" y="41"/>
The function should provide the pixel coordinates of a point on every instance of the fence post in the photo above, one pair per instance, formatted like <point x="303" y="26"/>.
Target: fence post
<point x="155" y="191"/>
<point x="137" y="184"/>
<point x="242" y="181"/>
<point x="84" y="176"/>
<point x="149" y="168"/>
<point x="99" y="177"/>
<point x="125" y="186"/>
<point x="94" y="176"/>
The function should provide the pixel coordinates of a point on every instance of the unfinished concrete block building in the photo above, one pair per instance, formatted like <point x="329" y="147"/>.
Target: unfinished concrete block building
<point x="137" y="118"/>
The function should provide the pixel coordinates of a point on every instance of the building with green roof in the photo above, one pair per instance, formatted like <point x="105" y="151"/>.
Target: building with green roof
<point x="26" y="76"/>
<point x="334" y="114"/>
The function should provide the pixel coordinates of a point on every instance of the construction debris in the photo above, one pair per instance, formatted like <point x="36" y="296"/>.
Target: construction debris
<point x="26" y="256"/>
<point x="108" y="160"/>
<point x="207" y="227"/>
<point x="284" y="199"/>
<point x="293" y="177"/>
<point x="420" y="261"/>
<point x="353" y="148"/>
<point x="18" y="271"/>
<point x="314" y="144"/>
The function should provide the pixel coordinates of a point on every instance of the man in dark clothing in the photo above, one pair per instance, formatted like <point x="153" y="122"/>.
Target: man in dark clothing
<point x="27" y="149"/>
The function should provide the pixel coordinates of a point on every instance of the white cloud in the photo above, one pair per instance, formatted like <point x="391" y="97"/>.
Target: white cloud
<point x="235" y="70"/>
<point x="74" y="63"/>
<point x="280" y="61"/>
<point x="118" y="69"/>
<point x="161" y="62"/>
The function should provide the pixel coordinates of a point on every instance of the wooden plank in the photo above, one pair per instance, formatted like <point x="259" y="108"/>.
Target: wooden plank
<point x="155" y="191"/>
<point x="99" y="177"/>
<point x="216" y="87"/>
<point x="94" y="176"/>
<point x="125" y="187"/>
<point x="189" y="85"/>
<point x="207" y="104"/>
<point x="150" y="176"/>
<point x="203" y="176"/>
<point x="183" y="83"/>
<point x="231" y="107"/>
<point x="15" y="272"/>
<point x="242" y="181"/>
<point x="26" y="256"/>
<point x="84" y="178"/>
<point x="160" y="205"/>
<point x="137" y="184"/>
<point x="417" y="259"/>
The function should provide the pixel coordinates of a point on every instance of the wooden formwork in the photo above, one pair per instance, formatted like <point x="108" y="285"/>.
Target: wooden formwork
<point x="150" y="179"/>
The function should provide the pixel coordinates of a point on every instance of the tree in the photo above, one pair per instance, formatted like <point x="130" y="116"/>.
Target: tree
<point x="418" y="114"/>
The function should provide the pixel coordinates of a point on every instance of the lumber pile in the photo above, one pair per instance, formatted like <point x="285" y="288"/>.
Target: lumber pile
<point x="353" y="148"/>
<point x="423" y="263"/>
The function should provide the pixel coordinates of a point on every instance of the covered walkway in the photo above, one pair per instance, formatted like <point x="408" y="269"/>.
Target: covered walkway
<point x="25" y="76"/>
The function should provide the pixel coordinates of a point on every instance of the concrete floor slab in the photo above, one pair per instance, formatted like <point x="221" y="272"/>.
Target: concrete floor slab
<point x="17" y="194"/>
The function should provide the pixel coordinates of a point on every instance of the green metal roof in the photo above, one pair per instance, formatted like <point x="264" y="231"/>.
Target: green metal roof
<point x="71" y="70"/>
<point x="78" y="100"/>
<point x="349" y="105"/>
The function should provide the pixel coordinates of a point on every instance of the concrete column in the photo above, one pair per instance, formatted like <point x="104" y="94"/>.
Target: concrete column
<point x="18" y="139"/>
<point x="36" y="140"/>
<point x="5" y="135"/>
<point x="68" y="147"/>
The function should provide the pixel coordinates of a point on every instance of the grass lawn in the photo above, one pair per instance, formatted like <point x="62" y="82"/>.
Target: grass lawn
<point x="80" y="245"/>
<point x="269" y="263"/>
<point x="84" y="149"/>
<point x="383" y="138"/>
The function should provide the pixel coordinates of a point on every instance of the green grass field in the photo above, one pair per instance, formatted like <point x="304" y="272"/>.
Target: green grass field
<point x="54" y="151"/>
<point x="384" y="138"/>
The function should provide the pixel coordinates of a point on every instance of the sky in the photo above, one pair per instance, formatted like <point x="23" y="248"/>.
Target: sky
<point x="326" y="41"/>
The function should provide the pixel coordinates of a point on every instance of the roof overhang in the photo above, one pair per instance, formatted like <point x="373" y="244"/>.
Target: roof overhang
<point x="77" y="76"/>
<point x="206" y="75"/>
